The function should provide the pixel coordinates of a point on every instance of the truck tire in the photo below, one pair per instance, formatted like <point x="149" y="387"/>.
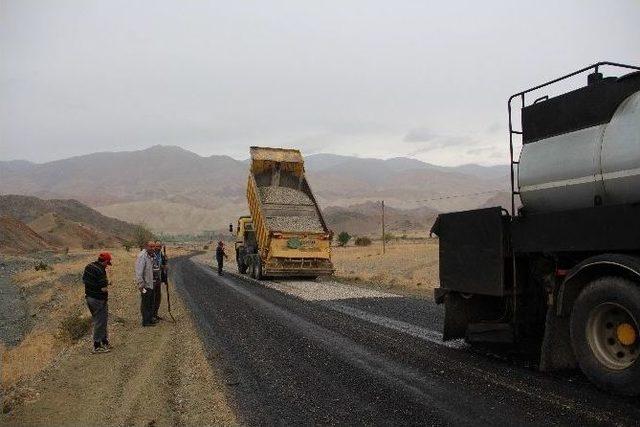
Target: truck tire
<point x="251" y="267"/>
<point x="257" y="267"/>
<point x="241" y="261"/>
<point x="242" y="269"/>
<point x="605" y="334"/>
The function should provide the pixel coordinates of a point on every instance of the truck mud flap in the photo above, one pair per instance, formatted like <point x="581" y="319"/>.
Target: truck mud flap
<point x="490" y="333"/>
<point x="474" y="251"/>
<point x="462" y="311"/>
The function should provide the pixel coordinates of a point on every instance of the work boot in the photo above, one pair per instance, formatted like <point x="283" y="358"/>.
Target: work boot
<point x="99" y="349"/>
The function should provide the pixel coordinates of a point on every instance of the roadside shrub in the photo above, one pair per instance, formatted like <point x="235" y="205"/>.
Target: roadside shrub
<point x="127" y="246"/>
<point x="205" y="247"/>
<point x="362" y="241"/>
<point x="343" y="238"/>
<point x="42" y="266"/>
<point x="141" y="235"/>
<point x="389" y="237"/>
<point x="75" y="326"/>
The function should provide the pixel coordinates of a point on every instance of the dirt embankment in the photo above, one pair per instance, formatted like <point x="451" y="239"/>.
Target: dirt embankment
<point x="17" y="237"/>
<point x="153" y="376"/>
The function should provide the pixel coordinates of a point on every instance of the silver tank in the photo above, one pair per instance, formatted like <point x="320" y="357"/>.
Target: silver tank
<point x="574" y="169"/>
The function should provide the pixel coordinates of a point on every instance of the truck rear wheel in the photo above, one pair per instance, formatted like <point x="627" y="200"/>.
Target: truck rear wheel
<point x="605" y="334"/>
<point x="242" y="267"/>
<point x="257" y="269"/>
<point x="251" y="267"/>
<point x="241" y="261"/>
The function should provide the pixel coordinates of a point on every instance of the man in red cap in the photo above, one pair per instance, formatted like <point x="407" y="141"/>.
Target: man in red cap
<point x="95" y="289"/>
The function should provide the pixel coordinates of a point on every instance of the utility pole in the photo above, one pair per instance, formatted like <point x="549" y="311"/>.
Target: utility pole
<point x="383" y="236"/>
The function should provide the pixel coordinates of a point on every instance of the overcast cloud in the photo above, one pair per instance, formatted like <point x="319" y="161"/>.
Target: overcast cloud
<point x="367" y="78"/>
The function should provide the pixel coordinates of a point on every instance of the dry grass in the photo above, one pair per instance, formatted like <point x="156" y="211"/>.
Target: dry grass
<point x="75" y="326"/>
<point x="154" y="376"/>
<point x="405" y="267"/>
<point x="52" y="299"/>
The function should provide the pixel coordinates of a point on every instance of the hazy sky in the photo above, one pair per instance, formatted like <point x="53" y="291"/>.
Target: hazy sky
<point x="368" y="78"/>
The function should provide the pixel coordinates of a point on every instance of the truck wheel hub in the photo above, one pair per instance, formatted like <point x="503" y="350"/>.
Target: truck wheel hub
<point x="612" y="335"/>
<point x="627" y="335"/>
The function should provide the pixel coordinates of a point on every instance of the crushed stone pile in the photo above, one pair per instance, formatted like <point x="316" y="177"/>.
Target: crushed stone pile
<point x="290" y="210"/>
<point x="284" y="196"/>
<point x="295" y="224"/>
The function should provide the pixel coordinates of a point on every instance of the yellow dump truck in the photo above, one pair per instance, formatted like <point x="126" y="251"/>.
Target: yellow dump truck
<point x="286" y="234"/>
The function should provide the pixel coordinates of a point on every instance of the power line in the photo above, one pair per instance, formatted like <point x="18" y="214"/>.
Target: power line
<point x="461" y="195"/>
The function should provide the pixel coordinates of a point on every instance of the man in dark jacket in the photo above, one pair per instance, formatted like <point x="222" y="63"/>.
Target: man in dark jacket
<point x="159" y="277"/>
<point x="220" y="256"/>
<point x="96" y="293"/>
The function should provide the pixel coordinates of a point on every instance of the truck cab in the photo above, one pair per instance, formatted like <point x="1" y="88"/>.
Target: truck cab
<point x="245" y="242"/>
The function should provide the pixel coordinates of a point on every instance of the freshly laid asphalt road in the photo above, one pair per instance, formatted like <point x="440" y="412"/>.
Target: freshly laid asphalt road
<point x="311" y="353"/>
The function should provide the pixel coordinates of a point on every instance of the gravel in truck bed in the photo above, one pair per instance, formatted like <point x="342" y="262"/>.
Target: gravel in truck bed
<point x="284" y="196"/>
<point x="295" y="223"/>
<point x="288" y="209"/>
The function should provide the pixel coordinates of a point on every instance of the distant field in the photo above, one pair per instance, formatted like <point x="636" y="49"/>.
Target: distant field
<point x="406" y="266"/>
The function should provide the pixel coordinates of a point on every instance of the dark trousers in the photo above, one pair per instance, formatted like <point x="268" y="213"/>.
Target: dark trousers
<point x="146" y="306"/>
<point x="99" y="315"/>
<point x="157" y="298"/>
<point x="220" y="261"/>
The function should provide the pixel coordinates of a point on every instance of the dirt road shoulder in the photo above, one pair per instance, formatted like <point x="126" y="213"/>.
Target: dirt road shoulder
<point x="153" y="376"/>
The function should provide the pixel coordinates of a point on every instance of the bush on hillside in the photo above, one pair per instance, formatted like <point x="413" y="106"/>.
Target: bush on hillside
<point x="343" y="238"/>
<point x="75" y="326"/>
<point x="362" y="241"/>
<point x="42" y="266"/>
<point x="142" y="235"/>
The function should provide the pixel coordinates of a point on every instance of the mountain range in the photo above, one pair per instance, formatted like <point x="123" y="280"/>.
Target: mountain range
<point x="173" y="190"/>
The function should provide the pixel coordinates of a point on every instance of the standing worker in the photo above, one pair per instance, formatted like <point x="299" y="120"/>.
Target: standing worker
<point x="159" y="277"/>
<point x="145" y="282"/>
<point x="220" y="256"/>
<point x="96" y="293"/>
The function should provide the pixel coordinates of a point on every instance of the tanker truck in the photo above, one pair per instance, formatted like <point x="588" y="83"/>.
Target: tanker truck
<point x="286" y="234"/>
<point x="558" y="278"/>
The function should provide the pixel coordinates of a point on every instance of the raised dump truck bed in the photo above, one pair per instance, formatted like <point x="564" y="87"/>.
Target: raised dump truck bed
<point x="291" y="234"/>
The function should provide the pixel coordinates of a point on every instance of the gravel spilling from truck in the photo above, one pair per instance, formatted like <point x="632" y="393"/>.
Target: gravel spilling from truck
<point x="295" y="224"/>
<point x="285" y="234"/>
<point x="288" y="209"/>
<point x="284" y="196"/>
